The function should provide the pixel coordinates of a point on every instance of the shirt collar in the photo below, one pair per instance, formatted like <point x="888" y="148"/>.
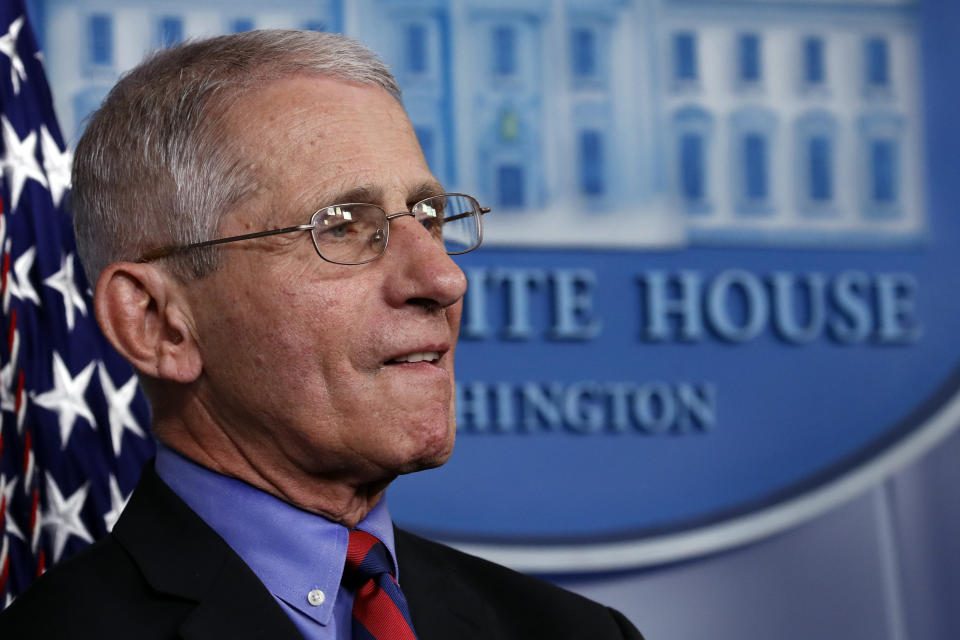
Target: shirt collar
<point x="292" y="551"/>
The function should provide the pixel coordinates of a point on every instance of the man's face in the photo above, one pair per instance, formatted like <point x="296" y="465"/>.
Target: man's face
<point x="300" y="355"/>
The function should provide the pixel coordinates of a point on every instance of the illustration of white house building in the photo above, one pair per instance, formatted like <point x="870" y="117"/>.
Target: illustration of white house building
<point x="630" y="123"/>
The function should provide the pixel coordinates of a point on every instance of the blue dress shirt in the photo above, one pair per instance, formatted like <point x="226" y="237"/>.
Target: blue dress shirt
<point x="299" y="556"/>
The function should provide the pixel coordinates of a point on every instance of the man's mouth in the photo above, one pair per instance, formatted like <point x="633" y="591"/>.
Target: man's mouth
<point x="419" y="356"/>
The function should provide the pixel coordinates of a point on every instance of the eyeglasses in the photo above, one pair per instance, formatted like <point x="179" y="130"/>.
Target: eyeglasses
<point x="357" y="233"/>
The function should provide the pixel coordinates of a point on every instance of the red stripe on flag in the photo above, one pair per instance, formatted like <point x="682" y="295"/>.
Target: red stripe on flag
<point x="20" y="386"/>
<point x="4" y="574"/>
<point x="13" y="314"/>
<point x="6" y="273"/>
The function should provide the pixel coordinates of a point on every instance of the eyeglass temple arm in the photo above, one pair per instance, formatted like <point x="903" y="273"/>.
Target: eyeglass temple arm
<point x="483" y="210"/>
<point x="163" y="252"/>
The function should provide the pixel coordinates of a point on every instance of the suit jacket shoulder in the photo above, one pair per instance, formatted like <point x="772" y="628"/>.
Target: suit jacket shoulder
<point x="161" y="574"/>
<point x="165" y="574"/>
<point x="453" y="594"/>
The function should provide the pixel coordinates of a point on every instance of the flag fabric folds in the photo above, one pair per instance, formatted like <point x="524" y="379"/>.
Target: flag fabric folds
<point x="73" y="428"/>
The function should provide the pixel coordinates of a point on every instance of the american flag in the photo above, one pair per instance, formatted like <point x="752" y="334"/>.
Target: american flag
<point x="73" y="427"/>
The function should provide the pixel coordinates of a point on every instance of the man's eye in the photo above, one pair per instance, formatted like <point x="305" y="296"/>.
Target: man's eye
<point x="339" y="231"/>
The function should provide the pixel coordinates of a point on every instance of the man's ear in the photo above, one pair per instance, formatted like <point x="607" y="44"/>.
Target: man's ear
<point x="143" y="312"/>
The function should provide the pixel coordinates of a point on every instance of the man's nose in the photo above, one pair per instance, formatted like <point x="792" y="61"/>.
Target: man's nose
<point x="426" y="272"/>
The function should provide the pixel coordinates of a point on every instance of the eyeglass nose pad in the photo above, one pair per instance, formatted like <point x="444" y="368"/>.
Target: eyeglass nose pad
<point x="378" y="240"/>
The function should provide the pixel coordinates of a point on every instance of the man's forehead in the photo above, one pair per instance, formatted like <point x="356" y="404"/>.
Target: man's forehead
<point x="283" y="100"/>
<point x="300" y="115"/>
<point x="316" y="141"/>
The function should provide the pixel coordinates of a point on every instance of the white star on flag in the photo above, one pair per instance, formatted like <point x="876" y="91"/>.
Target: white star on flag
<point x="117" y="503"/>
<point x="6" y="494"/>
<point x="8" y="397"/>
<point x="119" y="402"/>
<point x="8" y="47"/>
<point x="19" y="163"/>
<point x="63" y="282"/>
<point x="63" y="516"/>
<point x="4" y="551"/>
<point x="57" y="164"/>
<point x="50" y="392"/>
<point x="20" y="285"/>
<point x="8" y="391"/>
<point x="7" y="246"/>
<point x="66" y="397"/>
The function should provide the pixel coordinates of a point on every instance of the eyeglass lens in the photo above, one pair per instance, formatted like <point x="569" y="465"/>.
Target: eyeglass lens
<point x="357" y="233"/>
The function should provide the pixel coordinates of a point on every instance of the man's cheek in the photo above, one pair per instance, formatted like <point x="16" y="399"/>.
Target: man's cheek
<point x="454" y="313"/>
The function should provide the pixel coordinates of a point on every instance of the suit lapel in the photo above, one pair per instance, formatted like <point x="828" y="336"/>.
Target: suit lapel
<point x="441" y="604"/>
<point x="233" y="609"/>
<point x="180" y="555"/>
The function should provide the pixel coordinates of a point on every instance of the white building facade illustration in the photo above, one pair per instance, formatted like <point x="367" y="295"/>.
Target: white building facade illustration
<point x="615" y="123"/>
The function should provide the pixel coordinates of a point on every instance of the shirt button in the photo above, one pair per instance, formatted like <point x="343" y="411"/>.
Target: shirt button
<point x="316" y="597"/>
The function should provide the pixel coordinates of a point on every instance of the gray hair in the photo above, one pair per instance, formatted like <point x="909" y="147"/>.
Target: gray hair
<point x="155" y="166"/>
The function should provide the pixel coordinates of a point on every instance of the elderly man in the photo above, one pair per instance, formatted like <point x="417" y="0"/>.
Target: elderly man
<point x="272" y="254"/>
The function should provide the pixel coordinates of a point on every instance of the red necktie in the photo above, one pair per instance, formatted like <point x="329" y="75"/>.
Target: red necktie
<point x="379" y="609"/>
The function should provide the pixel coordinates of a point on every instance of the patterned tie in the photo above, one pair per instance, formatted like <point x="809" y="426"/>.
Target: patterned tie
<point x="379" y="609"/>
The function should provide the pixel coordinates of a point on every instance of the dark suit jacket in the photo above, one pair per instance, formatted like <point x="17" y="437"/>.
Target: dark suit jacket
<point x="163" y="573"/>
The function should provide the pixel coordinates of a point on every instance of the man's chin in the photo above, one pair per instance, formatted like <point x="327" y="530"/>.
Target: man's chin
<point x="431" y="459"/>
<point x="424" y="465"/>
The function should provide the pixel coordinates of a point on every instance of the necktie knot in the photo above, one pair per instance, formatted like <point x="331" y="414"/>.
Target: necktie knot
<point x="379" y="608"/>
<point x="367" y="558"/>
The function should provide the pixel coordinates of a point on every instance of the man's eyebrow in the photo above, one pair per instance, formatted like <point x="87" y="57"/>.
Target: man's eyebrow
<point x="374" y="194"/>
<point x="424" y="190"/>
<point x="366" y="193"/>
